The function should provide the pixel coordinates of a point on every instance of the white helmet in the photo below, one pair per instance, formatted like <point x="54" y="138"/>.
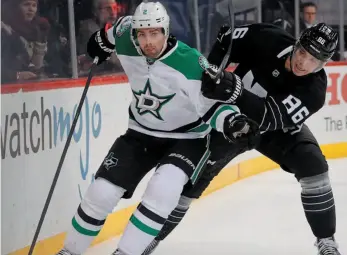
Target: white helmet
<point x="149" y="15"/>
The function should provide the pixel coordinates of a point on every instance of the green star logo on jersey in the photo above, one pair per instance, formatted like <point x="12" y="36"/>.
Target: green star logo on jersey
<point x="148" y="102"/>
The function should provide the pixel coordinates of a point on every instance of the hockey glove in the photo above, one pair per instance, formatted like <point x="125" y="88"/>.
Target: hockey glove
<point x="99" y="46"/>
<point x="241" y="130"/>
<point x="228" y="89"/>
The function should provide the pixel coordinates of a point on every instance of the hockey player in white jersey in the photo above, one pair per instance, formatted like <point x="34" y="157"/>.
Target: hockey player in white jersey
<point x="169" y="125"/>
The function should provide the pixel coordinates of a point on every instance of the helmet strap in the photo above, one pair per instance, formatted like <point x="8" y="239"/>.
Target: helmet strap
<point x="164" y="47"/>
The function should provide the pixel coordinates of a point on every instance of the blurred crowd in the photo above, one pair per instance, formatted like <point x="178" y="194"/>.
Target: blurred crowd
<point x="36" y="43"/>
<point x="35" y="38"/>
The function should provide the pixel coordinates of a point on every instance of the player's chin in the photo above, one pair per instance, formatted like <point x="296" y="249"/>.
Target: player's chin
<point x="151" y="54"/>
<point x="299" y="72"/>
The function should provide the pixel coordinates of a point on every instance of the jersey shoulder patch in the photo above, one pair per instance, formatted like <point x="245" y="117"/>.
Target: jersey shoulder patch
<point x="188" y="61"/>
<point x="121" y="33"/>
<point x="123" y="24"/>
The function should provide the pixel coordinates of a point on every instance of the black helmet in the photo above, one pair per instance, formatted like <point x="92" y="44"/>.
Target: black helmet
<point x="320" y="41"/>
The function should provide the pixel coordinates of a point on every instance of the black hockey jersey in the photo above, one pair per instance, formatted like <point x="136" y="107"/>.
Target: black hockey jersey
<point x="273" y="96"/>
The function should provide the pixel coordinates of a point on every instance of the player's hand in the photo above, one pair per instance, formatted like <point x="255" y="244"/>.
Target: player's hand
<point x="241" y="130"/>
<point x="228" y="89"/>
<point x="99" y="46"/>
<point x="224" y="36"/>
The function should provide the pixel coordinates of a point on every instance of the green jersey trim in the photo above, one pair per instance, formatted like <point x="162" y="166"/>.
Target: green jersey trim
<point x="186" y="60"/>
<point x="214" y="117"/>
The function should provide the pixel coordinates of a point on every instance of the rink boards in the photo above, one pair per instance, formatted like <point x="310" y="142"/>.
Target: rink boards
<point x="35" y="125"/>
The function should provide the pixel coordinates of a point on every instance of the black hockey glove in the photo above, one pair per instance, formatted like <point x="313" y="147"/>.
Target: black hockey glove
<point x="241" y="130"/>
<point x="228" y="89"/>
<point x="99" y="46"/>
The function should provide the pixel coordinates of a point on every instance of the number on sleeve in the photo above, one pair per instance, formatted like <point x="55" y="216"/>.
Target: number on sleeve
<point x="292" y="103"/>
<point x="300" y="115"/>
<point x="240" y="32"/>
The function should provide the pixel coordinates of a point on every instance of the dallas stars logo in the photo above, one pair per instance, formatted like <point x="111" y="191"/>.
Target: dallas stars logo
<point x="148" y="102"/>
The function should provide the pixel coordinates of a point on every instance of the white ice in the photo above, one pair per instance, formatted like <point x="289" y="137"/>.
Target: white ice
<point x="259" y="215"/>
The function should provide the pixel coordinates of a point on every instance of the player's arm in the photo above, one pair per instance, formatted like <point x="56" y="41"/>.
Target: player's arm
<point x="249" y="42"/>
<point x="227" y="119"/>
<point x="101" y="44"/>
<point x="283" y="111"/>
<point x="245" y="41"/>
<point x="280" y="111"/>
<point x="223" y="117"/>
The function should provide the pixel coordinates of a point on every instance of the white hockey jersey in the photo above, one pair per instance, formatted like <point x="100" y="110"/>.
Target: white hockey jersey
<point x="167" y="101"/>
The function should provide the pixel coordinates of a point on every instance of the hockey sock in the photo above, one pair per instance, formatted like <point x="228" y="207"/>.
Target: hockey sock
<point x="100" y="199"/>
<point x="318" y="202"/>
<point x="160" y="198"/>
<point x="172" y="221"/>
<point x="175" y="217"/>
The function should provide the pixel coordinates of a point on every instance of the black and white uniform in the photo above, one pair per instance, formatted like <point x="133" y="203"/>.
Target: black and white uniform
<point x="280" y="102"/>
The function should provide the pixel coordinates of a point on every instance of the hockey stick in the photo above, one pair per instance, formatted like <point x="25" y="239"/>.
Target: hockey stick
<point x="216" y="75"/>
<point x="66" y="147"/>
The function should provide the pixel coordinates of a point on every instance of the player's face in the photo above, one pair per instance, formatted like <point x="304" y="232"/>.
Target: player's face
<point x="28" y="9"/>
<point x="151" y="41"/>
<point x="304" y="63"/>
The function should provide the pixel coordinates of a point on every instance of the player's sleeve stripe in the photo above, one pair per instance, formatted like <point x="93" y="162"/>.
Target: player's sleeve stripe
<point x="268" y="126"/>
<point x="217" y="120"/>
<point x="273" y="114"/>
<point x="262" y="122"/>
<point x="279" y="111"/>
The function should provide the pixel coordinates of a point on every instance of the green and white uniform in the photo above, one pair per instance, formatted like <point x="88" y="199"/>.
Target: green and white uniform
<point x="167" y="101"/>
<point x="166" y="104"/>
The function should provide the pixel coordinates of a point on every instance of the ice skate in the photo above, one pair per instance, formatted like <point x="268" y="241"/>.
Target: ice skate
<point x="65" y="252"/>
<point x="327" y="246"/>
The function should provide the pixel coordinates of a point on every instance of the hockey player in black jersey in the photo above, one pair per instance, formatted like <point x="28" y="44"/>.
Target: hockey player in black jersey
<point x="283" y="84"/>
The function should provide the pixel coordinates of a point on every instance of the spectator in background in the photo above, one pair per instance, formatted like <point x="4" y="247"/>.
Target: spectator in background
<point x="58" y="57"/>
<point x="23" y="41"/>
<point x="282" y="14"/>
<point x="104" y="12"/>
<point x="309" y="14"/>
